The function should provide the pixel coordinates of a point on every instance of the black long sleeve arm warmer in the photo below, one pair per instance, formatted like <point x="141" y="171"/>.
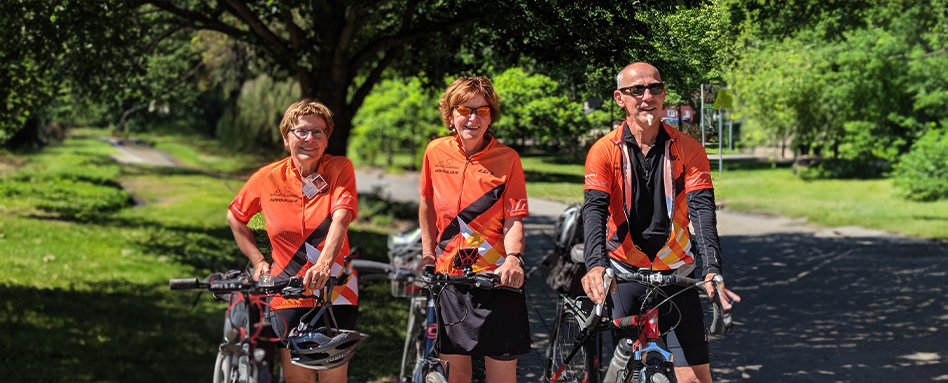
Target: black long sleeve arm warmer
<point x="595" y="214"/>
<point x="701" y="211"/>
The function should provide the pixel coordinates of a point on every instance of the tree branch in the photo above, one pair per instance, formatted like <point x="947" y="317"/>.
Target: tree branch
<point x="276" y="44"/>
<point x="164" y="35"/>
<point x="195" y="17"/>
<point x="366" y="54"/>
<point x="371" y="80"/>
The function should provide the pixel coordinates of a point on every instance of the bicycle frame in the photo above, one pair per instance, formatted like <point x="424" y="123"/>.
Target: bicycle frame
<point x="430" y="362"/>
<point x="648" y="353"/>
<point x="238" y="360"/>
<point x="247" y="350"/>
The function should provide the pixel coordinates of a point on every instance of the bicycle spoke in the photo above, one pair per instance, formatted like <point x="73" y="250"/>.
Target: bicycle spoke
<point x="566" y="333"/>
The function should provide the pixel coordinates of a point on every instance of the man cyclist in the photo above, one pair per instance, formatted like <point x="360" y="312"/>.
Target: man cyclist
<point x="644" y="183"/>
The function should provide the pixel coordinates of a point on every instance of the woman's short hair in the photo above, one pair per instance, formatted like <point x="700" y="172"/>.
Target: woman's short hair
<point x="305" y="107"/>
<point x="466" y="88"/>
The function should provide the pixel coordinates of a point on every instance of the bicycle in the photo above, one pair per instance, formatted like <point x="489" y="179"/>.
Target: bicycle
<point x="644" y="360"/>
<point x="246" y="353"/>
<point x="420" y="355"/>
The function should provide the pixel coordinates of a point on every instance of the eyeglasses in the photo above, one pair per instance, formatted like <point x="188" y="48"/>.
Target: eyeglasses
<point x="655" y="89"/>
<point x="467" y="110"/>
<point x="304" y="133"/>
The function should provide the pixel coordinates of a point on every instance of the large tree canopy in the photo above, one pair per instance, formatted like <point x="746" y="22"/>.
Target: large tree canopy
<point x="338" y="50"/>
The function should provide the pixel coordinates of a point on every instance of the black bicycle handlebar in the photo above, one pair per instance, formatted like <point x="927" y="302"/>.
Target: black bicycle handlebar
<point x="720" y="323"/>
<point x="481" y="281"/>
<point x="290" y="288"/>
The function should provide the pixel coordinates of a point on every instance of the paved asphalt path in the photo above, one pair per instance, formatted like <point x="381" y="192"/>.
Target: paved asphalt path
<point x="819" y="304"/>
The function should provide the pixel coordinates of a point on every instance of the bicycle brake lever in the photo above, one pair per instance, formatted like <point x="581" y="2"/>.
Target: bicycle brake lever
<point x="721" y="320"/>
<point x="607" y="276"/>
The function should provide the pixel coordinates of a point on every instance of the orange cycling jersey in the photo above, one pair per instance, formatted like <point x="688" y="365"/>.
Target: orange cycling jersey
<point x="685" y="168"/>
<point x="472" y="198"/>
<point x="298" y="226"/>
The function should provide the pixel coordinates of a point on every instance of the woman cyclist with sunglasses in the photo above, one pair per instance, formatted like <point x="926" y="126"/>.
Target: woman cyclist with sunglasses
<point x="473" y="200"/>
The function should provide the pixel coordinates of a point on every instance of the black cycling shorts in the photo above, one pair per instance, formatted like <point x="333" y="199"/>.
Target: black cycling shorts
<point x="285" y="320"/>
<point x="480" y="322"/>
<point x="688" y="342"/>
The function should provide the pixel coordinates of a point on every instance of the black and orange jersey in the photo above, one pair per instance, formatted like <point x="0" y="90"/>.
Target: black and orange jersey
<point x="298" y="226"/>
<point x="472" y="198"/>
<point x="684" y="169"/>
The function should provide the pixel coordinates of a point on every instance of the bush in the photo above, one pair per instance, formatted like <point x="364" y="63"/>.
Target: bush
<point x="842" y="168"/>
<point x="73" y="192"/>
<point x="922" y="173"/>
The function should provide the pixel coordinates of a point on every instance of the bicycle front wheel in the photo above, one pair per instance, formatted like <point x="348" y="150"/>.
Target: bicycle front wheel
<point x="224" y="368"/>
<point x="581" y="368"/>
<point x="414" y="339"/>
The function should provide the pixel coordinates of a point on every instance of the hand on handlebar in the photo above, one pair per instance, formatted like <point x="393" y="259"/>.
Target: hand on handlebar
<point x="593" y="285"/>
<point x="727" y="296"/>
<point x="511" y="273"/>
<point x="317" y="276"/>
<point x="260" y="269"/>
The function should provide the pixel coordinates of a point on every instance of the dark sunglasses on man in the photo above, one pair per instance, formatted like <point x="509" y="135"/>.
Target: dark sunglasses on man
<point x="655" y="88"/>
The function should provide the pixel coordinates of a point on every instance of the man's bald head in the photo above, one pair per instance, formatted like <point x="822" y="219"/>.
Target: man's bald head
<point x="639" y="68"/>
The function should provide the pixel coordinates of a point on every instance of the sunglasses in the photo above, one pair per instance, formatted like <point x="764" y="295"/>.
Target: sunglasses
<point x="466" y="110"/>
<point x="655" y="89"/>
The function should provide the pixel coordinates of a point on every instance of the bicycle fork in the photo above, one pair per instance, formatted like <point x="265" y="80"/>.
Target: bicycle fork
<point x="646" y="359"/>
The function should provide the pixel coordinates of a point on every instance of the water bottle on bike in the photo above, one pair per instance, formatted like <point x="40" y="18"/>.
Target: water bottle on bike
<point x="620" y="360"/>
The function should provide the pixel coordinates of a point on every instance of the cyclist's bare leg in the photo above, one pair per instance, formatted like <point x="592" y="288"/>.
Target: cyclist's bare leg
<point x="500" y="371"/>
<point x="460" y="371"/>
<point x="694" y="374"/>
<point x="293" y="373"/>
<point x="336" y="375"/>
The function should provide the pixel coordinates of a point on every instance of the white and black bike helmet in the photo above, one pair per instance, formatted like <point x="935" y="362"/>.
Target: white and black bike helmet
<point x="324" y="348"/>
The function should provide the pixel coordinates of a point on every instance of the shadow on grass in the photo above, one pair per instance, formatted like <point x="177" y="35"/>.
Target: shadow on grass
<point x="126" y="332"/>
<point x="114" y="332"/>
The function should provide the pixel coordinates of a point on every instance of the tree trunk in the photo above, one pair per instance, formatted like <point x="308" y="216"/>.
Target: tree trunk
<point x="334" y="97"/>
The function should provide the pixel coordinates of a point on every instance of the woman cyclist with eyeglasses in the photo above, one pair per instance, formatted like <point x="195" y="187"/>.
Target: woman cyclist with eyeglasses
<point x="308" y="200"/>
<point x="473" y="200"/>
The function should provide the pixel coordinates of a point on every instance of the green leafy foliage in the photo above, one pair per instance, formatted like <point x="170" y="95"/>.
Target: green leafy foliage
<point x="253" y="124"/>
<point x="922" y="173"/>
<point x="397" y="117"/>
<point x="856" y="87"/>
<point x="535" y="108"/>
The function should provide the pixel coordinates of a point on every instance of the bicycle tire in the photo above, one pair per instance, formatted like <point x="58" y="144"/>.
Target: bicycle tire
<point x="223" y="368"/>
<point x="435" y="377"/>
<point x="414" y="339"/>
<point x="562" y="340"/>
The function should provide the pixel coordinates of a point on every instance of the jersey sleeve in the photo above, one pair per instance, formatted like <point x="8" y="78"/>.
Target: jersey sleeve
<point x="247" y="201"/>
<point x="424" y="182"/>
<point x="515" y="194"/>
<point x="598" y="174"/>
<point x="344" y="194"/>
<point x="697" y="170"/>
